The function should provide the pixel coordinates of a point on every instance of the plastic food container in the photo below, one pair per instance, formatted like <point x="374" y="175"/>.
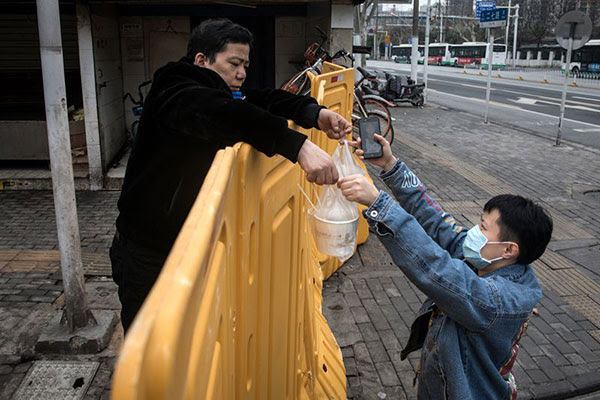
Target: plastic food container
<point x="334" y="238"/>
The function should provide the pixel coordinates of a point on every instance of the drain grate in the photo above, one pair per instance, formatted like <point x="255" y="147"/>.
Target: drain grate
<point x="64" y="380"/>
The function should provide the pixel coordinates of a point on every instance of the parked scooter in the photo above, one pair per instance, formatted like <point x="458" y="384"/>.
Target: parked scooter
<point x="394" y="88"/>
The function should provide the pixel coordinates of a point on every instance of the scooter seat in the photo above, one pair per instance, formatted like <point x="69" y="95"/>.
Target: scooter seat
<point x="366" y="73"/>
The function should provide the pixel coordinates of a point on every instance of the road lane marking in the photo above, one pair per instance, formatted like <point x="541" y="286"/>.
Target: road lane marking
<point x="525" y="100"/>
<point x="587" y="130"/>
<point x="516" y="107"/>
<point x="528" y="101"/>
<point x="585" y="106"/>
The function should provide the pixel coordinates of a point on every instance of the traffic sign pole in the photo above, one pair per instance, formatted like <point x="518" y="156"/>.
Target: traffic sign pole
<point x="572" y="32"/>
<point x="514" y="59"/>
<point x="507" y="28"/>
<point x="426" y="59"/>
<point x="564" y="90"/>
<point x="490" y="59"/>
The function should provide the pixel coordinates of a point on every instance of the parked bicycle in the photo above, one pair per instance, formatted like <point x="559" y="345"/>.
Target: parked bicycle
<point x="368" y="104"/>
<point x="314" y="56"/>
<point x="138" y="107"/>
<point x="365" y="105"/>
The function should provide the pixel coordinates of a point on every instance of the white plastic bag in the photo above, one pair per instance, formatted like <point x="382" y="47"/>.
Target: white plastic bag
<point x="334" y="220"/>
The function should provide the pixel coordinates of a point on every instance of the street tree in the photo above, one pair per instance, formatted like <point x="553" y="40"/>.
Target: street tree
<point x="362" y="16"/>
<point x="539" y="19"/>
<point x="464" y="31"/>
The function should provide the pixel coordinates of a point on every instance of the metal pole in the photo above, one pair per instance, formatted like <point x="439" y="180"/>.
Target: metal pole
<point x="376" y="42"/>
<point x="88" y="90"/>
<point x="441" y="21"/>
<point x="76" y="312"/>
<point x="426" y="59"/>
<point x="490" y="33"/>
<point x="565" y="82"/>
<point x="514" y="61"/>
<point x="507" y="28"/>
<point x="414" y="59"/>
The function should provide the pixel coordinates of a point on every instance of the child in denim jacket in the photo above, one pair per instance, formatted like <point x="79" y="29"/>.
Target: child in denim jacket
<point x="481" y="289"/>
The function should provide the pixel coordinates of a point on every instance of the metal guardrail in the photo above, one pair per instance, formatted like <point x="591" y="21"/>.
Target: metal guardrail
<point x="540" y="74"/>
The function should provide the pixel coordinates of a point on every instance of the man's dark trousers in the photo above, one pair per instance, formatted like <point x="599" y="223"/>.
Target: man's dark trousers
<point x="135" y="269"/>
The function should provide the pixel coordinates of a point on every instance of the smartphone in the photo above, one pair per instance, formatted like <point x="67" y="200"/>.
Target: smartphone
<point x="367" y="128"/>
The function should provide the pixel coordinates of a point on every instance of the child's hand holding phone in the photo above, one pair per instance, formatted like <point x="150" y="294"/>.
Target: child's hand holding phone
<point x="387" y="159"/>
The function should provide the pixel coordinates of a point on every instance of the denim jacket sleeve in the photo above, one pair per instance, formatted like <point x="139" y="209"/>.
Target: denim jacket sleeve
<point x="413" y="197"/>
<point x="466" y="298"/>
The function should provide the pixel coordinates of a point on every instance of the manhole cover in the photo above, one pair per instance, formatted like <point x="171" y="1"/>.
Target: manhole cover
<point x="592" y="195"/>
<point x="49" y="380"/>
<point x="586" y="192"/>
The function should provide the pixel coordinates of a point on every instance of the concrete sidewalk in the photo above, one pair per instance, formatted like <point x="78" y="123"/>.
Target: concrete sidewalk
<point x="31" y="292"/>
<point x="370" y="304"/>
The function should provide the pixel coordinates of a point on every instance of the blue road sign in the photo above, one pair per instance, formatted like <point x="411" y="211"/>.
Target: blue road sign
<point x="484" y="5"/>
<point x="493" y="18"/>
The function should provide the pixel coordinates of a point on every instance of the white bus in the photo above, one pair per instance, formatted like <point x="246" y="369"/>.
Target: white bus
<point x="439" y="54"/>
<point x="476" y="54"/>
<point x="586" y="59"/>
<point x="402" y="53"/>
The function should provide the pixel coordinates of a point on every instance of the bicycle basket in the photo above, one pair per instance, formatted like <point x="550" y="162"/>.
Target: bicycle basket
<point x="313" y="53"/>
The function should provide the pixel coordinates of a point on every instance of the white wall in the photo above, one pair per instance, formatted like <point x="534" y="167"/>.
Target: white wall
<point x="148" y="43"/>
<point x="109" y="81"/>
<point x="290" y="45"/>
<point x="294" y="34"/>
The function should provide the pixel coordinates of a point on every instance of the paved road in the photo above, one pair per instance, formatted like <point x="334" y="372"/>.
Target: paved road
<point x="529" y="105"/>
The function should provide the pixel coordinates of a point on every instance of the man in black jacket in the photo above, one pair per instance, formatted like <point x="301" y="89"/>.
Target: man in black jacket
<point x="193" y="110"/>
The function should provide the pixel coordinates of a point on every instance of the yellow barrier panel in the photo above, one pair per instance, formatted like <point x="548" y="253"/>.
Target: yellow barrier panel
<point x="236" y="311"/>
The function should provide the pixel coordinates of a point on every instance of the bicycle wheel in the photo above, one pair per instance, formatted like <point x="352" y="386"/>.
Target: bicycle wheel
<point x="383" y="120"/>
<point x="386" y="123"/>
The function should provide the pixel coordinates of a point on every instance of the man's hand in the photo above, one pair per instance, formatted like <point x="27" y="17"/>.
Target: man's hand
<point x="317" y="164"/>
<point x="386" y="161"/>
<point x="358" y="188"/>
<point x="333" y="124"/>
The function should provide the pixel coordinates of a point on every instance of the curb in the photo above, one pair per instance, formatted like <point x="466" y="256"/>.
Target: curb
<point x="545" y="81"/>
<point x="573" y="389"/>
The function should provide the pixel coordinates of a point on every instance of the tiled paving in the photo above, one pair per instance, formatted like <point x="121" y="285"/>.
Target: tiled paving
<point x="31" y="289"/>
<point x="464" y="163"/>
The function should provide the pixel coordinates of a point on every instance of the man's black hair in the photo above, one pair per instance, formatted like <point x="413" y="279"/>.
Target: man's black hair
<point x="211" y="37"/>
<point x="524" y="222"/>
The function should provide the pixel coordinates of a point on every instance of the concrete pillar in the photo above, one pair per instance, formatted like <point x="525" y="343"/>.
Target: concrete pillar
<point x="76" y="313"/>
<point x="88" y="89"/>
<point x="342" y="24"/>
<point x="539" y="58"/>
<point x="358" y="58"/>
<point x="551" y="57"/>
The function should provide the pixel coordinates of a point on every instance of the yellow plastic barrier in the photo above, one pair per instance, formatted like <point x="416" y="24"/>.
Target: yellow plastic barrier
<point x="236" y="311"/>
